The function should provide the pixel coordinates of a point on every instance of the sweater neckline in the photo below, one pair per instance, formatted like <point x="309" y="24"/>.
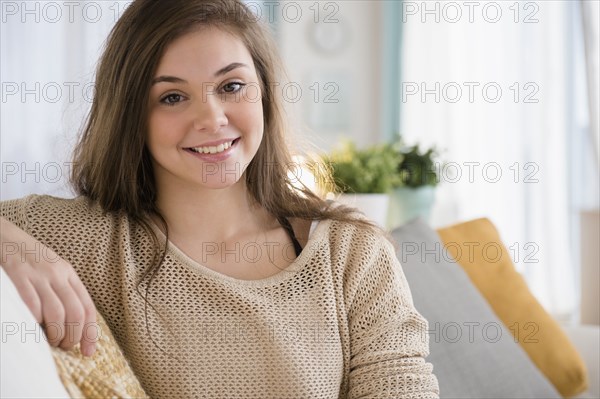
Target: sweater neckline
<point x="312" y="245"/>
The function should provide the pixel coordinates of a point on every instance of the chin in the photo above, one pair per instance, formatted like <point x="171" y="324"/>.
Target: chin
<point x="219" y="180"/>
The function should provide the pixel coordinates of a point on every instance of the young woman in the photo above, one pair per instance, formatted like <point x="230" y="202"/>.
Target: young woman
<point x="216" y="276"/>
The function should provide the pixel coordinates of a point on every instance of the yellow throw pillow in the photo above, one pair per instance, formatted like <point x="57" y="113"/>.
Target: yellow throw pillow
<point x="477" y="247"/>
<point x="106" y="374"/>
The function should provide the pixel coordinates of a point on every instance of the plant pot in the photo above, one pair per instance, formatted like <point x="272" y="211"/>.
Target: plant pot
<point x="374" y="206"/>
<point x="409" y="203"/>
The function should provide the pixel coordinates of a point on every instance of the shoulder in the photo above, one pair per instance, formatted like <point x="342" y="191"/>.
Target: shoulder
<point x="55" y="208"/>
<point x="43" y="215"/>
<point x="364" y="264"/>
<point x="59" y="202"/>
<point x="349" y="236"/>
<point x="356" y="250"/>
<point x="354" y="230"/>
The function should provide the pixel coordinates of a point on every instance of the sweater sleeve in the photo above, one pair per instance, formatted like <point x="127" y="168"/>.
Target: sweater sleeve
<point x="15" y="211"/>
<point x="388" y="337"/>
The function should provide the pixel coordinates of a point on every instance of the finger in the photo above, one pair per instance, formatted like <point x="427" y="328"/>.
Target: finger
<point x="53" y="314"/>
<point x="74" y="315"/>
<point x="90" y="328"/>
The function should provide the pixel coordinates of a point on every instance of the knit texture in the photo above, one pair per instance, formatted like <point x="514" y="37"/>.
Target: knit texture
<point x="339" y="322"/>
<point x="104" y="375"/>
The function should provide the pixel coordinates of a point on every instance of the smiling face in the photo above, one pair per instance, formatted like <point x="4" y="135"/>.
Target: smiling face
<point x="205" y="116"/>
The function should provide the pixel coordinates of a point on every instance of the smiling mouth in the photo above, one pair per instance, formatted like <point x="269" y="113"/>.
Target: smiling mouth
<point x="213" y="149"/>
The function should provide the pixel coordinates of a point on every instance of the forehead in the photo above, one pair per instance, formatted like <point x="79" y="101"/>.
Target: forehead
<point x="205" y="50"/>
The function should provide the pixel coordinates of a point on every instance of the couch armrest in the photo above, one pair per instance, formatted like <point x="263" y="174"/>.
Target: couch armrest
<point x="27" y="369"/>
<point x="586" y="339"/>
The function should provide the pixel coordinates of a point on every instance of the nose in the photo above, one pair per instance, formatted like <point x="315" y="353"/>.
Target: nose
<point x="210" y="114"/>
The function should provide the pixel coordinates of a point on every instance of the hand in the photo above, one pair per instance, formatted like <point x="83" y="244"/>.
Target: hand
<point x="50" y="288"/>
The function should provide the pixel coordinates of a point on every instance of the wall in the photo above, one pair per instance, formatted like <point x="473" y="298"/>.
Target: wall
<point x="338" y="47"/>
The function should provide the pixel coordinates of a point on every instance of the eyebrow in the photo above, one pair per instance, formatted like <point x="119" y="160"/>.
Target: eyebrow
<point x="229" y="68"/>
<point x="222" y="71"/>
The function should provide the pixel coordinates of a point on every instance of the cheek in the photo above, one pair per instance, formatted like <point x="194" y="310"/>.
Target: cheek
<point x="163" y="129"/>
<point x="251" y="117"/>
<point x="152" y="135"/>
<point x="258" y="118"/>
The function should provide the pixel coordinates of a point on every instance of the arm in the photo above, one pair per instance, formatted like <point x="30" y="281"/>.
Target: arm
<point x="388" y="337"/>
<point x="49" y="287"/>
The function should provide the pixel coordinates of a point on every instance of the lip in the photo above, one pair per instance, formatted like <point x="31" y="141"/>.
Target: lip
<point x="213" y="143"/>
<point x="221" y="156"/>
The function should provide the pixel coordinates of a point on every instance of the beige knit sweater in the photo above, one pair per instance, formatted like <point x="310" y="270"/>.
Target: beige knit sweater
<point x="339" y="322"/>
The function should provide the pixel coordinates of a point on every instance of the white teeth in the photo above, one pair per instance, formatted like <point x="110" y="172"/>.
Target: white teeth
<point x="213" y="149"/>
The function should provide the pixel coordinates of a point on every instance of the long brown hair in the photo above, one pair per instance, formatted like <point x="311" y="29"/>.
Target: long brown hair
<point x="111" y="162"/>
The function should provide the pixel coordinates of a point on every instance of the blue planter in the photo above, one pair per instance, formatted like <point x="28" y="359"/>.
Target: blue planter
<point x="409" y="203"/>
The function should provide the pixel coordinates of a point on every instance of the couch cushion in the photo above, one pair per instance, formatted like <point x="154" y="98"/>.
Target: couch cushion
<point x="490" y="268"/>
<point x="473" y="354"/>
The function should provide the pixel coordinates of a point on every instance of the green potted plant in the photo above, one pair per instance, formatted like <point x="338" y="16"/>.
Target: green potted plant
<point x="414" y="192"/>
<point x="365" y="177"/>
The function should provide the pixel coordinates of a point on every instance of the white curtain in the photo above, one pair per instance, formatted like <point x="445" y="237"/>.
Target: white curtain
<point x="590" y="13"/>
<point x="512" y="136"/>
<point x="48" y="56"/>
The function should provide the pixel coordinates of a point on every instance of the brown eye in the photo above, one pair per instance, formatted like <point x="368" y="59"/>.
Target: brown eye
<point x="171" y="99"/>
<point x="233" y="87"/>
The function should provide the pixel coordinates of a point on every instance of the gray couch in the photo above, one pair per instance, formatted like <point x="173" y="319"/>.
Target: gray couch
<point x="473" y="354"/>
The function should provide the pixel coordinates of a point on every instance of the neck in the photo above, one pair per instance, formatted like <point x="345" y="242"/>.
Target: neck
<point x="209" y="214"/>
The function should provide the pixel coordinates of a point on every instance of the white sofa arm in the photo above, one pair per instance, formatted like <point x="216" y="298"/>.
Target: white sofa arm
<point x="27" y="367"/>
<point x="586" y="339"/>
